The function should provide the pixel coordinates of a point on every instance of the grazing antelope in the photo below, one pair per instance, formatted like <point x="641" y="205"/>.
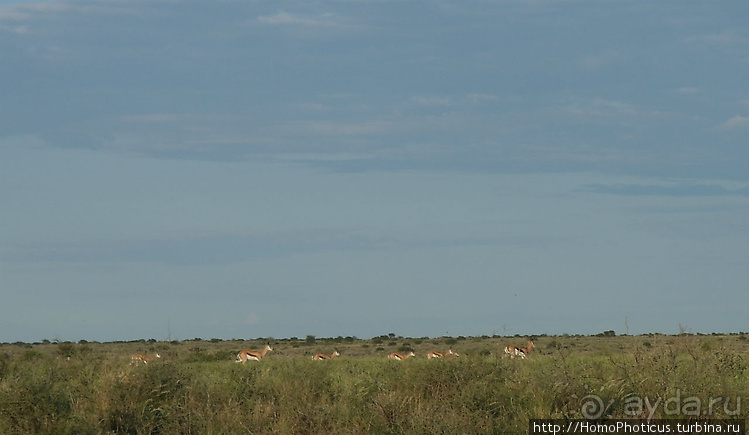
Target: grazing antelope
<point x="400" y="357"/>
<point x="321" y="356"/>
<point x="141" y="358"/>
<point x="520" y="351"/>
<point x="451" y="354"/>
<point x="253" y="355"/>
<point x="434" y="354"/>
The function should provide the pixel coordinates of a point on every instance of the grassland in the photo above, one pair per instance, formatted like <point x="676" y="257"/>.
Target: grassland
<point x="197" y="388"/>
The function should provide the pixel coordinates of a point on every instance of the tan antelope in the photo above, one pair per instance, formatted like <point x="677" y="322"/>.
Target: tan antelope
<point x="253" y="355"/>
<point x="400" y="357"/>
<point x="451" y="354"/>
<point x="322" y="356"/>
<point x="433" y="354"/>
<point x="142" y="358"/>
<point x="521" y="351"/>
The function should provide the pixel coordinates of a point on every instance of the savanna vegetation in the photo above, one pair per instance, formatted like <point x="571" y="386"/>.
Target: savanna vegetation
<point x="197" y="388"/>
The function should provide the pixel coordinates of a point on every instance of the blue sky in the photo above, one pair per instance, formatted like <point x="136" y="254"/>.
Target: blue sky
<point x="242" y="169"/>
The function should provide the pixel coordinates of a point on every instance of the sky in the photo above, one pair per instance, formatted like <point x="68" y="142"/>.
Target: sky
<point x="178" y="169"/>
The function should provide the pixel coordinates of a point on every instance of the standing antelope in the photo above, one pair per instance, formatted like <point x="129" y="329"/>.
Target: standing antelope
<point x="253" y="355"/>
<point x="142" y="358"/>
<point x="520" y="351"/>
<point x="399" y="357"/>
<point x="321" y="356"/>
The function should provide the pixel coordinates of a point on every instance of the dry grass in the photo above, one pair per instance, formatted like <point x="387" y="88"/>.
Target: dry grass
<point x="197" y="388"/>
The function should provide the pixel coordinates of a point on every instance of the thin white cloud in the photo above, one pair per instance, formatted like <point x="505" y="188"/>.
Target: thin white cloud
<point x="687" y="90"/>
<point x="718" y="38"/>
<point x="21" y="12"/>
<point x="609" y="108"/>
<point x="283" y="18"/>
<point x="188" y="121"/>
<point x="19" y="30"/>
<point x="600" y="107"/>
<point x="15" y="18"/>
<point x="601" y="60"/>
<point x="27" y="12"/>
<point x="151" y="118"/>
<point x="350" y="129"/>
<point x="481" y="98"/>
<point x="252" y="319"/>
<point x="737" y="121"/>
<point x="432" y="101"/>
<point x="13" y="14"/>
<point x="325" y="157"/>
<point x="312" y="107"/>
<point x="673" y="188"/>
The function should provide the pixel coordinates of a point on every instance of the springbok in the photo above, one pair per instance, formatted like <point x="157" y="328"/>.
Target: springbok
<point x="401" y="357"/>
<point x="521" y="351"/>
<point x="433" y="354"/>
<point x="322" y="356"/>
<point x="253" y="355"/>
<point x="141" y="358"/>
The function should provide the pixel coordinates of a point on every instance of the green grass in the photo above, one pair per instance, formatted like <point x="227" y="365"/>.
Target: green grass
<point x="196" y="388"/>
